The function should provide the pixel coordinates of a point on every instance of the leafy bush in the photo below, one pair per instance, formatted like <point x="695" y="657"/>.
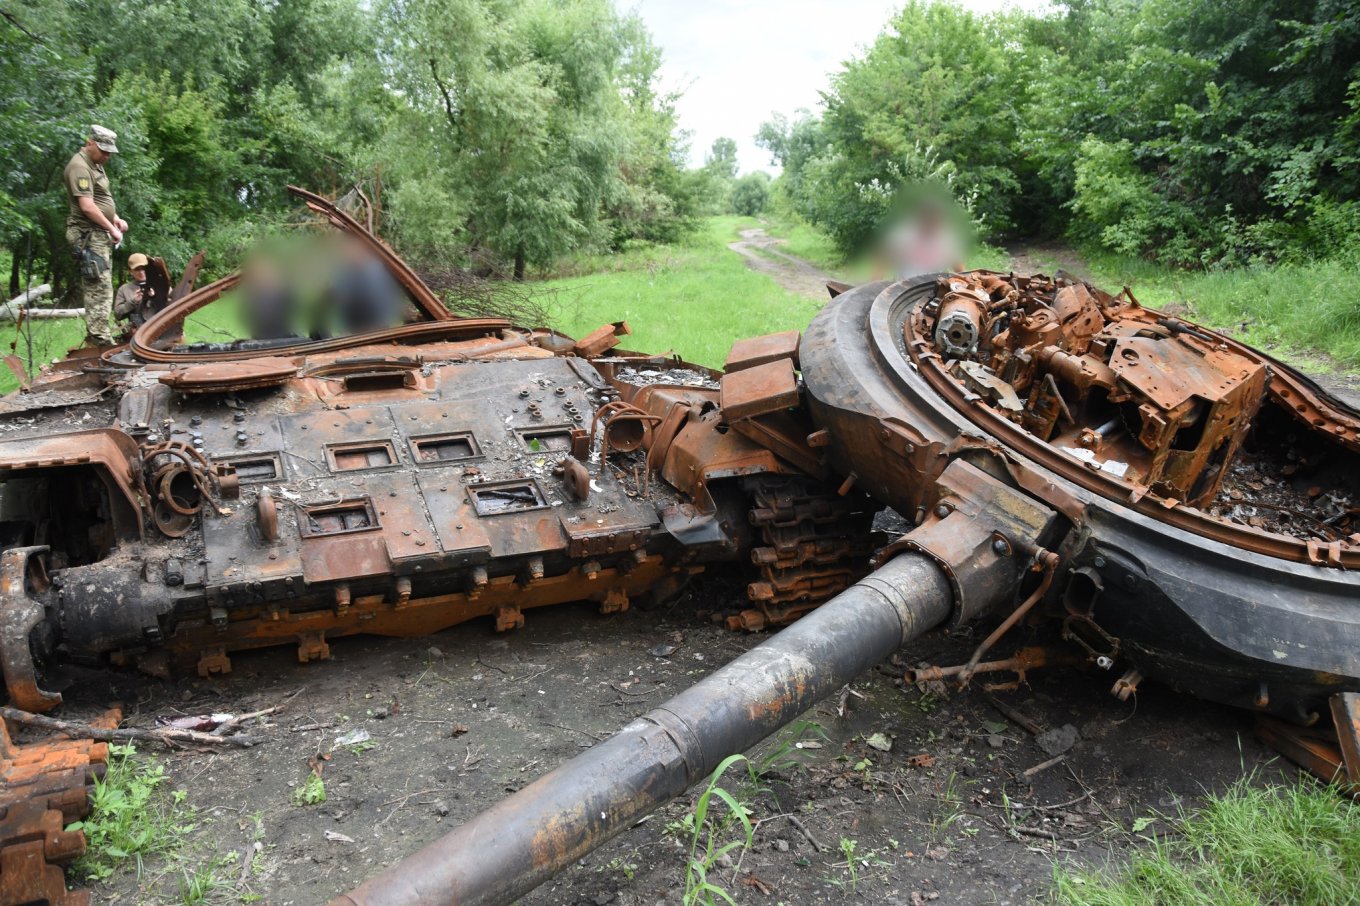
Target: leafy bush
<point x="750" y="194"/>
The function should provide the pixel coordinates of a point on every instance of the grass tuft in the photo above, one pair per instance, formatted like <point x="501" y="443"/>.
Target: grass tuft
<point x="1252" y="844"/>
<point x="132" y="819"/>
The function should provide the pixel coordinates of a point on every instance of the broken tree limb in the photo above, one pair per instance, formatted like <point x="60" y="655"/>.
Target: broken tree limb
<point x="28" y="296"/>
<point x="1015" y="716"/>
<point x="164" y="735"/>
<point x="22" y="305"/>
<point x="41" y="314"/>
<point x="232" y="723"/>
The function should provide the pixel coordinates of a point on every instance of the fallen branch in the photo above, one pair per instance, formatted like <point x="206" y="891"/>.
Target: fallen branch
<point x="1015" y="716"/>
<point x="232" y="723"/>
<point x="1042" y="766"/>
<point x="167" y="736"/>
<point x="807" y="834"/>
<point x="29" y="296"/>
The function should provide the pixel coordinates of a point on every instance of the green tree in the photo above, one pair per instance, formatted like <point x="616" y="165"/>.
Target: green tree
<point x="722" y="159"/>
<point x="750" y="194"/>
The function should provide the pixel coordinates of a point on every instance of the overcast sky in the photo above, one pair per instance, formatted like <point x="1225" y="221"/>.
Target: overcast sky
<point x="738" y="61"/>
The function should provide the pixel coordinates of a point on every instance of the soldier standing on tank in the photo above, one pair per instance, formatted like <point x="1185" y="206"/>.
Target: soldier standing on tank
<point x="93" y="228"/>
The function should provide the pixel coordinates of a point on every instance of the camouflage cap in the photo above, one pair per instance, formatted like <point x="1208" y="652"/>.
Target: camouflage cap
<point x="136" y="260"/>
<point x="105" y="139"/>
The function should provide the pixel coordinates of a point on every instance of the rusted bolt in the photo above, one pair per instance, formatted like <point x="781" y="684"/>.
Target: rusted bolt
<point x="1001" y="546"/>
<point x="1099" y="562"/>
<point x="942" y="511"/>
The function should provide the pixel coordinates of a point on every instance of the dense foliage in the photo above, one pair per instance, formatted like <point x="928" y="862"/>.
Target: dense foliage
<point x="1188" y="131"/>
<point x="493" y="134"/>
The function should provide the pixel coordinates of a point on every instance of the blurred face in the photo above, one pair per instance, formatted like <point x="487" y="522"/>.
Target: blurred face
<point x="96" y="153"/>
<point x="139" y="274"/>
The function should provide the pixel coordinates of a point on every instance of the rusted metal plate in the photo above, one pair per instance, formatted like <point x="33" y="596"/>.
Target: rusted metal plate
<point x="761" y="350"/>
<point x="336" y="558"/>
<point x="1305" y="747"/>
<point x="601" y="339"/>
<point x="1346" y="717"/>
<point x="225" y="377"/>
<point x="759" y="389"/>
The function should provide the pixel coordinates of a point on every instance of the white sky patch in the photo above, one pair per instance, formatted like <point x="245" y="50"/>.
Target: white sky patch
<point x="739" y="61"/>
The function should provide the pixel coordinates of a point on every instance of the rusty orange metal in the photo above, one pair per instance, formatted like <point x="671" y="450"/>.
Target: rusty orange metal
<point x="753" y="351"/>
<point x="1180" y="399"/>
<point x="45" y="788"/>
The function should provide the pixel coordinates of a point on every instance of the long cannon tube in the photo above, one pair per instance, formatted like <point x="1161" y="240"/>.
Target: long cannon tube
<point x="519" y="843"/>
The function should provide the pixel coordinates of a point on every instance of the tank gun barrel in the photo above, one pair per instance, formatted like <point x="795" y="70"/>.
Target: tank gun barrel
<point x="967" y="558"/>
<point x="519" y="843"/>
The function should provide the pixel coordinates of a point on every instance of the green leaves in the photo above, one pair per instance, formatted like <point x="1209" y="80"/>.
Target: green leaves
<point x="714" y="836"/>
<point x="1180" y="130"/>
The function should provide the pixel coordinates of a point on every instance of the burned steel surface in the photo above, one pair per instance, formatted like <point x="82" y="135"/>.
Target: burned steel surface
<point x="1166" y="502"/>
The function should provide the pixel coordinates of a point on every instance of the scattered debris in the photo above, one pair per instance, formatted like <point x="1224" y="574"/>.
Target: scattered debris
<point x="167" y="736"/>
<point x="750" y="880"/>
<point x="1042" y="766"/>
<point x="880" y="742"/>
<point x="354" y="737"/>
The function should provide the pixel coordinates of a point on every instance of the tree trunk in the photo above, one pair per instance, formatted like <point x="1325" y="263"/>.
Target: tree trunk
<point x="14" y="259"/>
<point x="519" y="266"/>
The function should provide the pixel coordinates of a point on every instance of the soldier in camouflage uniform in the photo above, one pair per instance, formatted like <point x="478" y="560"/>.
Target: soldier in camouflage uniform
<point x="93" y="228"/>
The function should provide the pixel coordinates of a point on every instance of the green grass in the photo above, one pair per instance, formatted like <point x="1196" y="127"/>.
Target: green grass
<point x="694" y="298"/>
<point x="132" y="818"/>
<point x="1250" y="845"/>
<point x="51" y="340"/>
<point x="138" y="826"/>
<point x="804" y="241"/>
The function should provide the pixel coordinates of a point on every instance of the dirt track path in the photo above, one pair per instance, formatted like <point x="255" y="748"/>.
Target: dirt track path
<point x="762" y="254"/>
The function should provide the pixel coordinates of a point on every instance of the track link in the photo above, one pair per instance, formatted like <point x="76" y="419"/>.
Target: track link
<point x="44" y="787"/>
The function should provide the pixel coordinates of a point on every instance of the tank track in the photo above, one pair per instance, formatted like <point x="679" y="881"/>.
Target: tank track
<point x="814" y="544"/>
<point x="44" y="787"/>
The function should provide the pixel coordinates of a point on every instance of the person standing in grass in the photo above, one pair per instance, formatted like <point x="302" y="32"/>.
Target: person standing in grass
<point x="93" y="229"/>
